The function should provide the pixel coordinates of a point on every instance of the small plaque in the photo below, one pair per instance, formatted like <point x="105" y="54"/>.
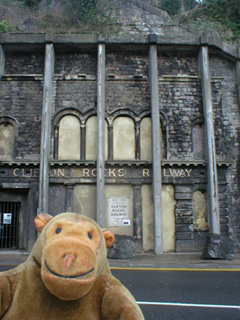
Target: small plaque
<point x="7" y="218"/>
<point x="118" y="211"/>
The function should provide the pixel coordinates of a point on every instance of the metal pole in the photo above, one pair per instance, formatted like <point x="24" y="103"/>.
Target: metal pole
<point x="213" y="204"/>
<point x="101" y="132"/>
<point x="2" y="61"/>
<point x="46" y="129"/>
<point x="156" y="145"/>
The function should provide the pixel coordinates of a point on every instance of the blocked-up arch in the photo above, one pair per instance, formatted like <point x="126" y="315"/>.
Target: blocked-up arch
<point x="199" y="202"/>
<point x="124" y="138"/>
<point x="146" y="138"/>
<point x="8" y="132"/>
<point x="69" y="138"/>
<point x="92" y="138"/>
<point x="198" y="139"/>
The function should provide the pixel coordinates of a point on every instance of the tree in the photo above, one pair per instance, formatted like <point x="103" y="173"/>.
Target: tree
<point x="174" y="7"/>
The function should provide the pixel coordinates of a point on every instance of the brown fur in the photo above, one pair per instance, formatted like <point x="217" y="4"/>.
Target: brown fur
<point x="66" y="276"/>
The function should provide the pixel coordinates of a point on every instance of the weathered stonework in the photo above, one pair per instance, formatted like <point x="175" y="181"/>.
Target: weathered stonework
<point x="128" y="175"/>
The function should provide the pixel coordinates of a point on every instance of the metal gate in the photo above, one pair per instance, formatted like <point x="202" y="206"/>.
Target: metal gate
<point x="9" y="218"/>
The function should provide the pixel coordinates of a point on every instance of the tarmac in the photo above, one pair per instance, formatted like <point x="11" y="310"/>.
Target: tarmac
<point x="166" y="261"/>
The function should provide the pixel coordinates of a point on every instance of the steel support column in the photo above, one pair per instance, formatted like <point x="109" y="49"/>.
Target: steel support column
<point x="213" y="204"/>
<point x="46" y="129"/>
<point x="156" y="145"/>
<point x="101" y="131"/>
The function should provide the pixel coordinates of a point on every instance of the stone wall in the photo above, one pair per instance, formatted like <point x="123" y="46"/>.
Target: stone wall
<point x="128" y="94"/>
<point x="22" y="100"/>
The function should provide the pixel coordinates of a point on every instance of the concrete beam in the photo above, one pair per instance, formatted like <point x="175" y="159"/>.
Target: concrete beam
<point x="210" y="149"/>
<point x="156" y="145"/>
<point x="2" y="61"/>
<point x="46" y="129"/>
<point x="101" y="131"/>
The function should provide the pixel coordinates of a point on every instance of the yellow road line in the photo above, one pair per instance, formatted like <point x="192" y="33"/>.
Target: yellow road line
<point x="176" y="269"/>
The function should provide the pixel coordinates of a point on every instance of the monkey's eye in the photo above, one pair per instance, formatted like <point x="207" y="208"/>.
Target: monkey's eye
<point x="89" y="235"/>
<point x="58" y="230"/>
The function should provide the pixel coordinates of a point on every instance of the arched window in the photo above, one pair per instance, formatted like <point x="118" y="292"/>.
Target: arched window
<point x="7" y="137"/>
<point x="124" y="139"/>
<point x="198" y="141"/>
<point x="69" y="139"/>
<point x="92" y="139"/>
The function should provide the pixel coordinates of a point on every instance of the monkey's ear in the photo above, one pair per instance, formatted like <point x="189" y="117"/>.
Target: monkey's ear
<point x="109" y="238"/>
<point x="41" y="220"/>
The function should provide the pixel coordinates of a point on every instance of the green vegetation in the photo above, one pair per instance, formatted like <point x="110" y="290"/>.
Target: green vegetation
<point x="5" y="26"/>
<point x="225" y="12"/>
<point x="81" y="10"/>
<point x="33" y="4"/>
<point x="175" y="7"/>
<point x="206" y="15"/>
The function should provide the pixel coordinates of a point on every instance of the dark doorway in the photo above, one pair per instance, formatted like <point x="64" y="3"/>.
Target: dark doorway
<point x="9" y="225"/>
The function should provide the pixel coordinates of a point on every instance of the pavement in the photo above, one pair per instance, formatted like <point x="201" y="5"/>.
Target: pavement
<point x="169" y="261"/>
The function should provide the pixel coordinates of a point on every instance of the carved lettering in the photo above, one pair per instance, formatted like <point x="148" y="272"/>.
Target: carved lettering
<point x="188" y="172"/>
<point x="146" y="173"/>
<point x="27" y="173"/>
<point x="94" y="172"/>
<point x="16" y="172"/>
<point x="36" y="172"/>
<point x="86" y="172"/>
<point x="52" y="172"/>
<point x="56" y="173"/>
<point x="177" y="173"/>
<point x="111" y="173"/>
<point x="165" y="173"/>
<point x="121" y="173"/>
<point x="61" y="173"/>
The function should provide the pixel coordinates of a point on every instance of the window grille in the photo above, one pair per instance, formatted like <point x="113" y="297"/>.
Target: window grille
<point x="9" y="224"/>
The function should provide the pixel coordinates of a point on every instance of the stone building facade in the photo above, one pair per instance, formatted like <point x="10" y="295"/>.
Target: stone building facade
<point x="57" y="154"/>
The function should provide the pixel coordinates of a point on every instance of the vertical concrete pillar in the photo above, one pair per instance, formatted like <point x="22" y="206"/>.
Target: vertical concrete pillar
<point x="238" y="75"/>
<point x="69" y="198"/>
<point x="137" y="130"/>
<point x="83" y="141"/>
<point x="2" y="61"/>
<point x="46" y="128"/>
<point x="101" y="131"/>
<point x="213" y="204"/>
<point x="156" y="145"/>
<point x="137" y="211"/>
<point x="110" y="141"/>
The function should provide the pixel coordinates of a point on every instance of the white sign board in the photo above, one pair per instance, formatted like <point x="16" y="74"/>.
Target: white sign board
<point x="7" y="218"/>
<point x="118" y="212"/>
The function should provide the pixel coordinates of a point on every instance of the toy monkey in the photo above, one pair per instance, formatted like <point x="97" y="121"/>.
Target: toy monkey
<point x="66" y="276"/>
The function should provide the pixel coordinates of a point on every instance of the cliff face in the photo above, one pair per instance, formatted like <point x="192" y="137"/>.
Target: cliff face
<point x="110" y="17"/>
